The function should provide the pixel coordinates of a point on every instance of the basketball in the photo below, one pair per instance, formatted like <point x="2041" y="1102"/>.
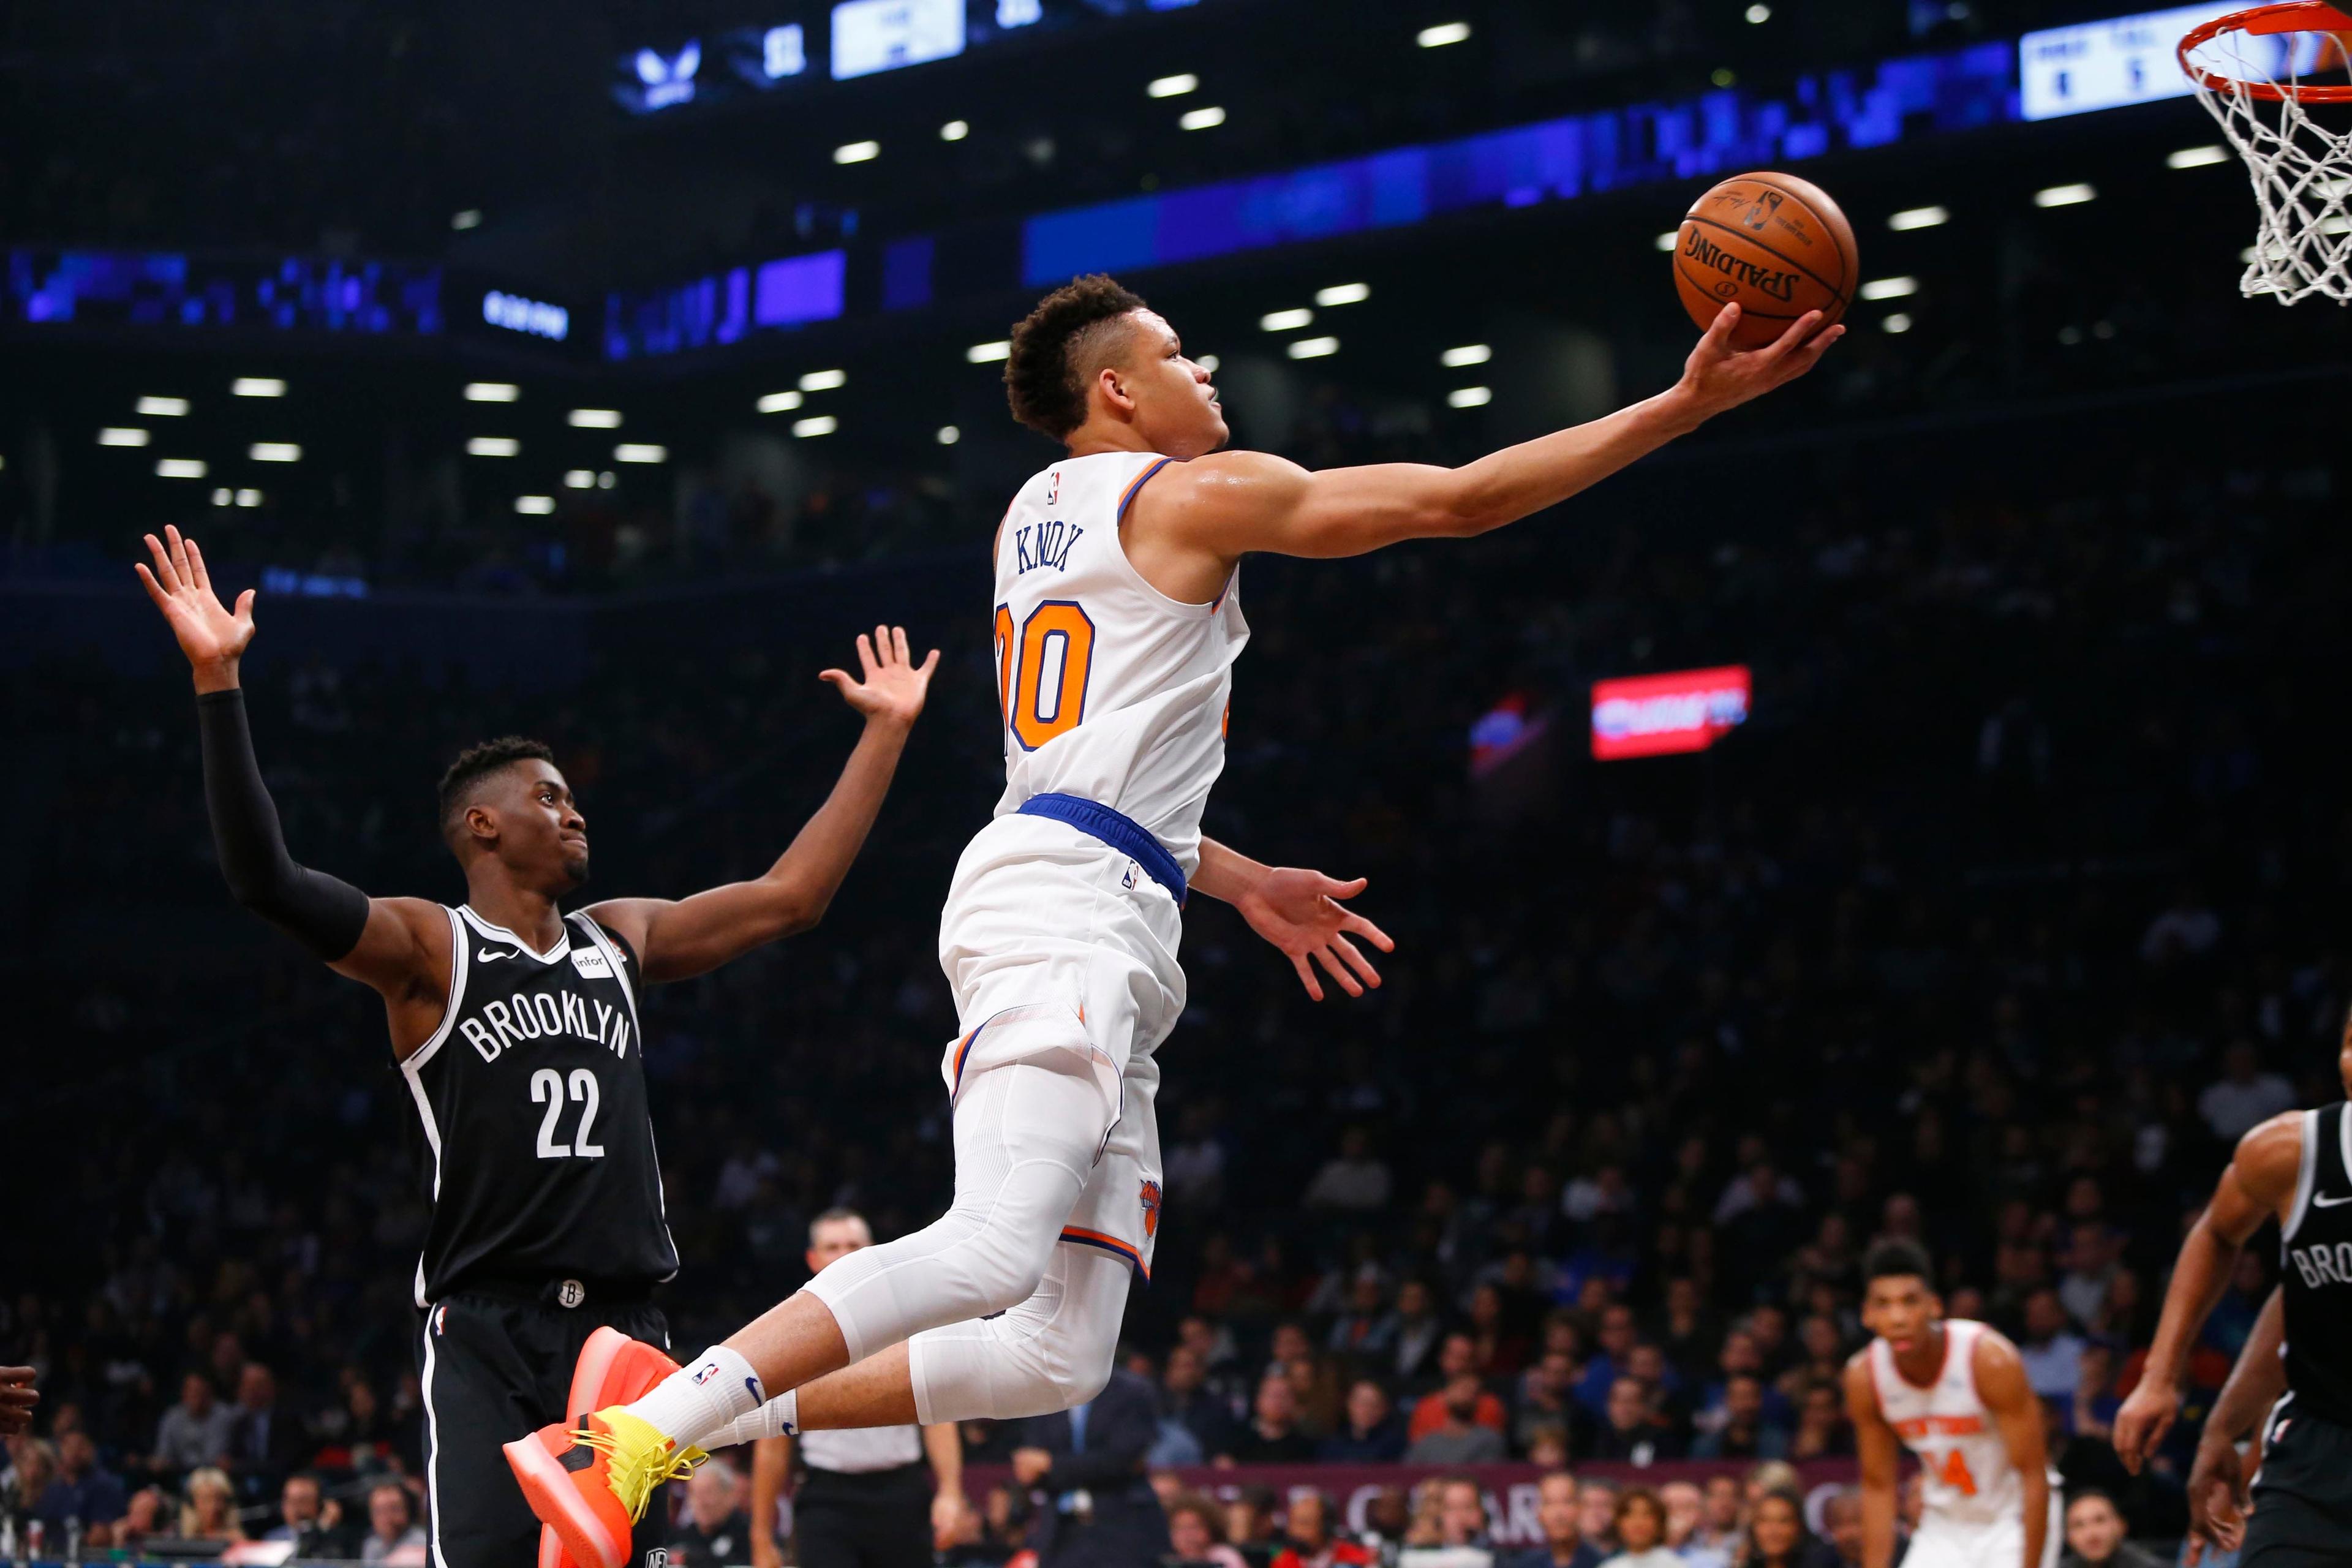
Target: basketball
<point x="1774" y="245"/>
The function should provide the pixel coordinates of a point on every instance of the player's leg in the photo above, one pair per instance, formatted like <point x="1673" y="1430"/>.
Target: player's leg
<point x="481" y="1376"/>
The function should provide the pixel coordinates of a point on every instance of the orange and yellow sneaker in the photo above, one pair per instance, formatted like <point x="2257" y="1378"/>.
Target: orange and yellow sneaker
<point x="612" y="1369"/>
<point x="591" y="1483"/>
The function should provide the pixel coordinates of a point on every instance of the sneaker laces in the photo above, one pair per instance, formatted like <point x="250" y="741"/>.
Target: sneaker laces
<point x="635" y="1467"/>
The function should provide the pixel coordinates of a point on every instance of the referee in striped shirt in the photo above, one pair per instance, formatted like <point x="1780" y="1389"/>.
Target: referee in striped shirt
<point x="862" y="1502"/>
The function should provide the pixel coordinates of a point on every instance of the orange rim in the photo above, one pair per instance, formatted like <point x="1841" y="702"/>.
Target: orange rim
<point x="2264" y="21"/>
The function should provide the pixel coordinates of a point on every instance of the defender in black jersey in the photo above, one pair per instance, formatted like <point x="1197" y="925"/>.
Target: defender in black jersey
<point x="2296" y="1168"/>
<point x="517" y="1031"/>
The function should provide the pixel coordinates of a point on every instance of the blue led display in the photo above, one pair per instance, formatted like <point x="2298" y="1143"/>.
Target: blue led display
<point x="721" y="308"/>
<point x="1712" y="134"/>
<point x="127" y="288"/>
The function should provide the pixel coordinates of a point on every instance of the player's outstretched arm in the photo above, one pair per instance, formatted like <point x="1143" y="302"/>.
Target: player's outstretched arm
<point x="1876" y="1453"/>
<point x="677" y="939"/>
<point x="1234" y="503"/>
<point x="399" y="946"/>
<point x="2217" y="1477"/>
<point x="2257" y="1183"/>
<point x="2017" y="1413"/>
<point x="1298" y="911"/>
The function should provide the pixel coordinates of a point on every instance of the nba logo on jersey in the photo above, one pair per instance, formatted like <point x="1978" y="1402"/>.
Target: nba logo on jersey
<point x="1150" y="1209"/>
<point x="1054" y="487"/>
<point x="1127" y="878"/>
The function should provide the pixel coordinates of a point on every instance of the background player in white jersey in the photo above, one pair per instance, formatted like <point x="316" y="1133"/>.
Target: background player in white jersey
<point x="1953" y="1392"/>
<point x="1117" y="623"/>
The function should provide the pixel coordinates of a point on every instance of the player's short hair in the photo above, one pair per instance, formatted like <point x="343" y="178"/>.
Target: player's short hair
<point x="1057" y="348"/>
<point x="1893" y="1258"/>
<point x="836" y="1216"/>
<point x="477" y="763"/>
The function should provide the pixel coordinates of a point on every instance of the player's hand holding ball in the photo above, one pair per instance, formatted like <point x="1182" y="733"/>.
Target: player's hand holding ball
<point x="1767" y="264"/>
<point x="892" y="686"/>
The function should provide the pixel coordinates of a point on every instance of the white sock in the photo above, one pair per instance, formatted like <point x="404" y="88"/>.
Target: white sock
<point x="701" y="1397"/>
<point x="779" y="1417"/>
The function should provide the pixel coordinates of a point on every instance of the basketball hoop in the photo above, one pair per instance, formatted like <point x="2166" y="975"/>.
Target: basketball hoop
<point x="2247" y="68"/>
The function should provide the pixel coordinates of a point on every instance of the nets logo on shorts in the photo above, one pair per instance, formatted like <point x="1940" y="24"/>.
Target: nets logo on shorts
<point x="1150" y="1209"/>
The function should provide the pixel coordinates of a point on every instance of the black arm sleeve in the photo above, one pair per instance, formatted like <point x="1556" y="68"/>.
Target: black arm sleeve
<point x="320" y="912"/>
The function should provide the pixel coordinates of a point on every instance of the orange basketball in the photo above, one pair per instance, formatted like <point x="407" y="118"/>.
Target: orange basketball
<point x="1776" y="245"/>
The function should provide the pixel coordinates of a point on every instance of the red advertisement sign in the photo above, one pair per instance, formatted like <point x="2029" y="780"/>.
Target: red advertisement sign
<point x="1652" y="715"/>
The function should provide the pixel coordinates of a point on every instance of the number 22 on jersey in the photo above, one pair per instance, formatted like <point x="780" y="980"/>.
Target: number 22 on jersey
<point x="1042" y="669"/>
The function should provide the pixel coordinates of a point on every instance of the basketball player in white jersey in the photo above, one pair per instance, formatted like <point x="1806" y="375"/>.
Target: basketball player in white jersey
<point x="1119" y="620"/>
<point x="1954" y="1393"/>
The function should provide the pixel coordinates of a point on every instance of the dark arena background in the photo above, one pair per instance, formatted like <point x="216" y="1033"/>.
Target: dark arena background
<point x="1964" y="863"/>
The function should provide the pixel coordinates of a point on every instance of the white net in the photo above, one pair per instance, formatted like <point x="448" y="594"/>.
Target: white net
<point x="2302" y="170"/>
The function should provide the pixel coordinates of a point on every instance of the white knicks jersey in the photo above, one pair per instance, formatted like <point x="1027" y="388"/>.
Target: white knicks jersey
<point x="1108" y="689"/>
<point x="1967" y="1475"/>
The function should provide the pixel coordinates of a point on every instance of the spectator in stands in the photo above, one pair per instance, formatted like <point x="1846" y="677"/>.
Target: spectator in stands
<point x="1822" y="1430"/>
<point x="394" y="1538"/>
<point x="1366" y="1329"/>
<point x="1719" y="1525"/>
<point x="2244" y="1096"/>
<point x="1596" y="1513"/>
<point x="23" y="1484"/>
<point x="2093" y="1413"/>
<point x="265" y="1443"/>
<point x="1371" y="1434"/>
<point x="193" y="1432"/>
<point x="1186" y="1400"/>
<point x="2094" y="1535"/>
<point x="309" y="1520"/>
<point x="1196" y="1534"/>
<point x="1461" y="1521"/>
<point x="1842" y="1518"/>
<point x="1640" y="1532"/>
<point x="1612" y="1350"/>
<point x="1250" y="1521"/>
<point x="1631" y="1430"/>
<point x="1546" y="1398"/>
<point x="1418" y="1331"/>
<point x="1745" y="1433"/>
<point x="149" y="1514"/>
<point x="1456" y="1360"/>
<point x="1462" y="1436"/>
<point x="1686" y="1508"/>
<point x="1776" y="1536"/>
<point x="1354" y="1180"/>
<point x="1564" y="1545"/>
<point x="1310" y="1541"/>
<point x="83" y="1489"/>
<point x="1272" y="1437"/>
<point x="2051" y="1351"/>
<point x="210" y="1512"/>
<point x="716" y="1530"/>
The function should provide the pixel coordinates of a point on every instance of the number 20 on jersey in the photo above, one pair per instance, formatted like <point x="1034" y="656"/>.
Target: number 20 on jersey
<point x="1042" y="669"/>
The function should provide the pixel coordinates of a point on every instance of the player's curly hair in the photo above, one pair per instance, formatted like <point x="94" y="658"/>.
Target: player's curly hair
<point x="479" y="761"/>
<point x="1896" y="1258"/>
<point x="1057" y="348"/>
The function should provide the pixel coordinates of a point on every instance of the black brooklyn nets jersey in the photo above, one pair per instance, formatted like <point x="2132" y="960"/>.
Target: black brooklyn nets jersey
<point x="2315" y="1252"/>
<point x="534" y="1097"/>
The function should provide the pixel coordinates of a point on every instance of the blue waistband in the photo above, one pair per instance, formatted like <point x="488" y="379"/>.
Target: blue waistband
<point x="1120" y="832"/>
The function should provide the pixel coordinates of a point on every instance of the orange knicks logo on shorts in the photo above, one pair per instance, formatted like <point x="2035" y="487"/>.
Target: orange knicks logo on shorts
<point x="1150" y="1209"/>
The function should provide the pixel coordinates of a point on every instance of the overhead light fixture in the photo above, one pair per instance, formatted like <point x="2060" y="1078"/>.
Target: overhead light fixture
<point x="2065" y="195"/>
<point x="1442" y="34"/>
<point x="163" y="407"/>
<point x="594" y="418"/>
<point x="825" y="380"/>
<point x="1889" y="288"/>
<point x="1468" y="354"/>
<point x="1758" y="15"/>
<point x="1285" y="321"/>
<point x="955" y="130"/>
<point x="179" y="467"/>
<point x="493" y="446"/>
<point x="1175" y="85"/>
<point x="117" y="435"/>
<point x="1313" y="348"/>
<point x="1723" y="76"/>
<point x="492" y="392"/>
<point x="636" y="452"/>
<point x="1669" y="239"/>
<point x="988" y="353"/>
<point x="2197" y="157"/>
<point x="1208" y="362"/>
<point x="1896" y="321"/>
<point x="221" y="496"/>
<point x="258" y="387"/>
<point x="780" y="403"/>
<point x="1917" y="217"/>
<point x="271" y="452"/>
<point x="604" y="480"/>
<point x="817" y="425"/>
<point x="248" y="498"/>
<point x="1470" y="397"/>
<point x="1344" y="294"/>
<point x="1207" y="119"/>
<point x="948" y="436"/>
<point x="579" y="479"/>
<point x="470" y="218"/>
<point x="857" y="151"/>
<point x="534" y="506"/>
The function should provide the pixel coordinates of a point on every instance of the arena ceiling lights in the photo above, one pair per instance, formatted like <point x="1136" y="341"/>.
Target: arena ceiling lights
<point x="955" y="130"/>
<point x="274" y="452"/>
<point x="492" y="392"/>
<point x="857" y="151"/>
<point x="593" y="418"/>
<point x="948" y="436"/>
<point x="257" y="386"/>
<point x="1313" y="347"/>
<point x="179" y="467"/>
<point x="780" y="403"/>
<point x="2197" y="157"/>
<point x="988" y="353"/>
<point x="534" y="506"/>
<point x="1468" y="354"/>
<point x="493" y="446"/>
<point x="163" y="407"/>
<point x="1889" y="288"/>
<point x="579" y="479"/>
<point x="117" y="436"/>
<point x="824" y="381"/>
<point x="1175" y="85"/>
<point x="640" y="452"/>
<point x="1285" y="320"/>
<point x="815" y="425"/>
<point x="1207" y="119"/>
<point x="1343" y="294"/>
<point x="1470" y="397"/>
<point x="2065" y="195"/>
<point x="1442" y="34"/>
<point x="1917" y="217"/>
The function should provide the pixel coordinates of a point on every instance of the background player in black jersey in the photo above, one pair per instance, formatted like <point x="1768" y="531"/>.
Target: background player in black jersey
<point x="2297" y="1168"/>
<point x="516" y="1028"/>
